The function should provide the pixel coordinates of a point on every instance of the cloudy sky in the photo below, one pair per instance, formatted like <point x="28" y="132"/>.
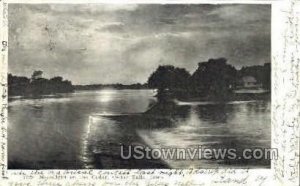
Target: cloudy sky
<point x="125" y="43"/>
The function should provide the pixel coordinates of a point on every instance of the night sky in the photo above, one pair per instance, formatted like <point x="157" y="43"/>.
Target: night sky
<point x="125" y="43"/>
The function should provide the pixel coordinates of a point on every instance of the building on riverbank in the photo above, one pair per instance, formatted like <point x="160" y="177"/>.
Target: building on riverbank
<point x="249" y="82"/>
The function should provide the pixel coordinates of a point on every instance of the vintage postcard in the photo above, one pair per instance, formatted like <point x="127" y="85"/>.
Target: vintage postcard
<point x="150" y="93"/>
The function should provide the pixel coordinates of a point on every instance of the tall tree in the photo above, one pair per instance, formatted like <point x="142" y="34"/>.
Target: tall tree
<point x="214" y="77"/>
<point x="169" y="77"/>
<point x="36" y="74"/>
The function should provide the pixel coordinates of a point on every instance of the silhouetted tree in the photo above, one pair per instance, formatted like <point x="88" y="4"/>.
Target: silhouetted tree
<point x="266" y="80"/>
<point x="169" y="77"/>
<point x="37" y="85"/>
<point x="214" y="78"/>
<point x="56" y="79"/>
<point x="17" y="85"/>
<point x="36" y="74"/>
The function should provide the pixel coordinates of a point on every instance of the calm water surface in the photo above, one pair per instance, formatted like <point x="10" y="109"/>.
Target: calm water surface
<point x="69" y="132"/>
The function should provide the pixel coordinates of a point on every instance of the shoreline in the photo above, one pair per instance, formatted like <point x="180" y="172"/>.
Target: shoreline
<point x="184" y="96"/>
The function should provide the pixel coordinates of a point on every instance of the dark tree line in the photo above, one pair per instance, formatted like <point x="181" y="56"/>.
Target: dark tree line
<point x="37" y="85"/>
<point x="213" y="78"/>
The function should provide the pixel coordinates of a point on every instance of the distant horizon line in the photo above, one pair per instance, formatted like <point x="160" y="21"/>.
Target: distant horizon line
<point x="145" y="83"/>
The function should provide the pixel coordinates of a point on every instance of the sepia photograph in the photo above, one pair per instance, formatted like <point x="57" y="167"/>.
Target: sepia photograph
<point x="139" y="86"/>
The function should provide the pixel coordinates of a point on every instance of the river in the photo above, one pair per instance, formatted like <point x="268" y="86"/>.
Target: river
<point x="70" y="132"/>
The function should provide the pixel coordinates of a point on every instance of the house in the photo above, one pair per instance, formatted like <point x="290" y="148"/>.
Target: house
<point x="250" y="82"/>
<point x="249" y="85"/>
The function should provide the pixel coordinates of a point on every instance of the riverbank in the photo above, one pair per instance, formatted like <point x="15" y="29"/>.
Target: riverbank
<point x="25" y="97"/>
<point x="188" y="96"/>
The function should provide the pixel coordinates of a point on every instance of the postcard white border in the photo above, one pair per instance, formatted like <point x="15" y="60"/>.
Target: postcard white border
<point x="285" y="115"/>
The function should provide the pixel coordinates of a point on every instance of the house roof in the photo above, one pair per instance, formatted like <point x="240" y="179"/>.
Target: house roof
<point x="249" y="79"/>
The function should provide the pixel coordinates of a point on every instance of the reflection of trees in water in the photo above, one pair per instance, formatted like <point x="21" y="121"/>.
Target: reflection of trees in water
<point x="261" y="106"/>
<point x="217" y="113"/>
<point x="221" y="112"/>
<point x="168" y="117"/>
<point x="168" y="109"/>
<point x="256" y="107"/>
